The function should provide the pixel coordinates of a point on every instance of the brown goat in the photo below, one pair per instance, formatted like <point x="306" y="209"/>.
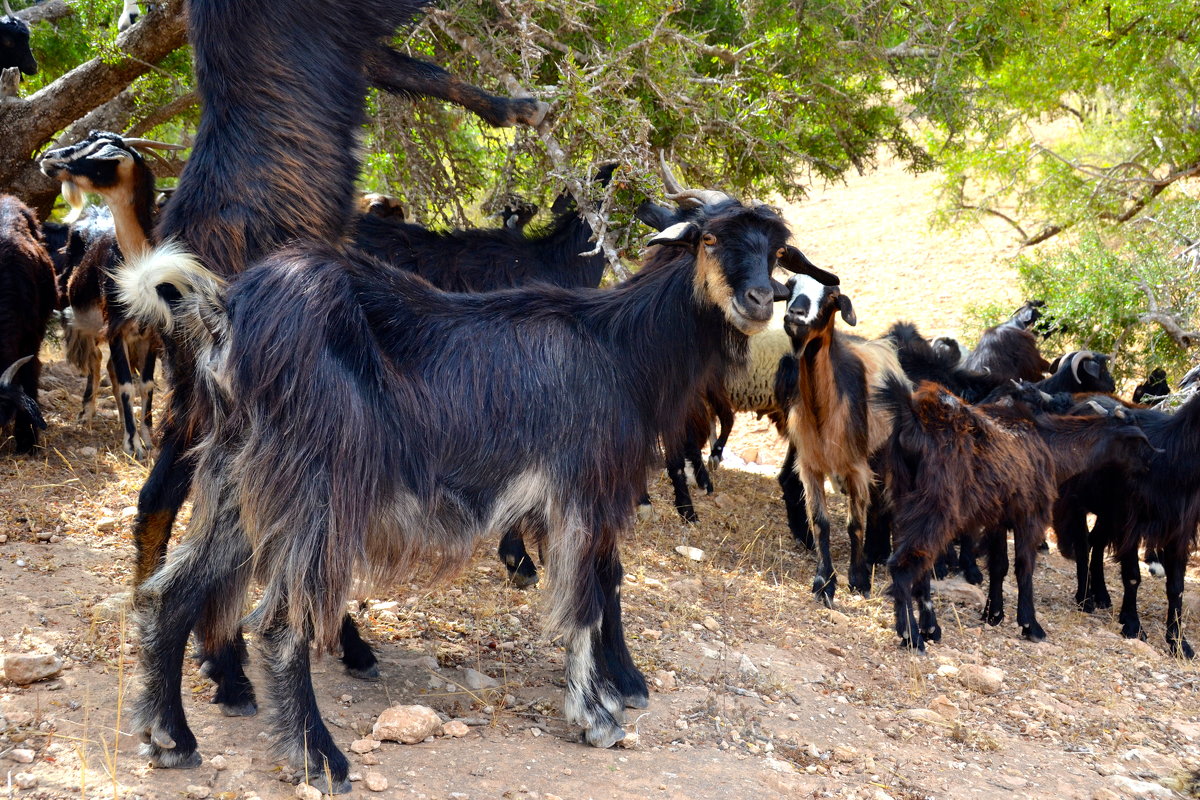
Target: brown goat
<point x="831" y="422"/>
<point x="27" y="298"/>
<point x="954" y="469"/>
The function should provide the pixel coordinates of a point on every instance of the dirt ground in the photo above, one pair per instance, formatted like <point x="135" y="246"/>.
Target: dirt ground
<point x="758" y="691"/>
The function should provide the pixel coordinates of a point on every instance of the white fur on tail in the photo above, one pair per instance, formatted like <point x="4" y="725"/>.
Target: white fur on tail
<point x="169" y="263"/>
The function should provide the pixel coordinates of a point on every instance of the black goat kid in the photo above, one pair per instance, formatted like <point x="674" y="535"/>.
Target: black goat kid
<point x="444" y="399"/>
<point x="14" y="44"/>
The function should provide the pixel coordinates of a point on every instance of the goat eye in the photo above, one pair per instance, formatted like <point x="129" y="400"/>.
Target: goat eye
<point x="710" y="239"/>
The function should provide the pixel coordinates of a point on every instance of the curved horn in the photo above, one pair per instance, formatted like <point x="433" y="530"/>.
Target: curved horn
<point x="8" y="10"/>
<point x="154" y="145"/>
<point x="693" y="198"/>
<point x="1076" y="358"/>
<point x="7" y="378"/>
<point x="669" y="182"/>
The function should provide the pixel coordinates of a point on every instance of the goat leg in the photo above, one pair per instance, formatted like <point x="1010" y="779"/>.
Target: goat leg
<point x="1175" y="563"/>
<point x="1027" y="535"/>
<point x="521" y="571"/>
<point x="397" y="73"/>
<point x="1131" y="578"/>
<point x="824" y="583"/>
<point x="927" y="620"/>
<point x="793" y="500"/>
<point x="678" y="476"/>
<point x="993" y="609"/>
<point x="614" y="652"/>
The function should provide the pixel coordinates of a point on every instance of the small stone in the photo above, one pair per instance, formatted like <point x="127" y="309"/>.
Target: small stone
<point x="106" y="524"/>
<point x="455" y="728"/>
<point x="370" y="760"/>
<point x="681" y="724"/>
<point x="128" y="512"/>
<point x="691" y="553"/>
<point x="711" y="624"/>
<point x="1142" y="788"/>
<point x="958" y="591"/>
<point x="111" y="608"/>
<point x="947" y="671"/>
<point x="306" y="792"/>
<point x="844" y="754"/>
<point x="354" y="777"/>
<point x="406" y="724"/>
<point x="650" y="633"/>
<point x="31" y="667"/>
<point x="880" y="794"/>
<point x="746" y="666"/>
<point x="833" y="649"/>
<point x="1105" y="794"/>
<point x="925" y="715"/>
<point x="3" y="538"/>
<point x="665" y="680"/>
<point x="837" y="617"/>
<point x="476" y="680"/>
<point x="985" y="680"/>
<point x="43" y="536"/>
<point x="219" y="763"/>
<point x="197" y="792"/>
<point x="375" y="782"/>
<point x="465" y="796"/>
<point x="630" y="741"/>
<point x="944" y="706"/>
<point x="55" y="538"/>
<point x="87" y="452"/>
<point x="25" y="780"/>
<point x="22" y="756"/>
<point x="751" y="455"/>
<point x="364" y="745"/>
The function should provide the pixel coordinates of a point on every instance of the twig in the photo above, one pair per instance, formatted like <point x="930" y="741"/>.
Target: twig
<point x="1168" y="322"/>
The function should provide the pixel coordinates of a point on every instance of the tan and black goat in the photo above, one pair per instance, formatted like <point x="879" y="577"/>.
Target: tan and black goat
<point x="832" y="425"/>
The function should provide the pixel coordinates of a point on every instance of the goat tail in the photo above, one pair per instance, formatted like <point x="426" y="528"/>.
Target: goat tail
<point x="895" y="395"/>
<point x="167" y="287"/>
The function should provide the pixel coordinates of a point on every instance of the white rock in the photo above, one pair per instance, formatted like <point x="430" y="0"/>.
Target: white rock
<point x="474" y="679"/>
<point x="665" y="680"/>
<point x="87" y="452"/>
<point x="25" y="780"/>
<point x="692" y="553"/>
<point x="128" y="512"/>
<point x="985" y="680"/>
<point x="1142" y="788"/>
<point x="746" y="666"/>
<point x="406" y="724"/>
<point x="111" y="608"/>
<point x="21" y="755"/>
<point x="947" y="671"/>
<point x="219" y="763"/>
<point x="455" y="728"/>
<point x="306" y="792"/>
<point x="375" y="782"/>
<point x="361" y="746"/>
<point x="630" y="741"/>
<point x="779" y="766"/>
<point x="106" y="524"/>
<point x="30" y="667"/>
<point x="197" y="792"/>
<point x="711" y="624"/>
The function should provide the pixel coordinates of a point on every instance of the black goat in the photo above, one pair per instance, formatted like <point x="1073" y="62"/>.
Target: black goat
<point x="1158" y="508"/>
<point x="953" y="469"/>
<point x="445" y="399"/>
<point x="486" y="259"/>
<point x="27" y="299"/>
<point x="1077" y="372"/>
<point x="14" y="44"/>
<point x="1154" y="387"/>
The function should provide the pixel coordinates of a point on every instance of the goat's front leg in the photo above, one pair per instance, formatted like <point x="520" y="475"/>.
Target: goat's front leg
<point x="1131" y="578"/>
<point x="793" y="501"/>
<point x="92" y="387"/>
<point x="395" y="72"/>
<point x="1027" y="535"/>
<point x="997" y="543"/>
<point x="931" y="631"/>
<point x="903" y="570"/>
<point x="118" y="360"/>
<point x="679" y="484"/>
<point x="1175" y="564"/>
<point x="825" y="581"/>
<point x="521" y="571"/>
<point x="614" y="652"/>
<point x="858" y="490"/>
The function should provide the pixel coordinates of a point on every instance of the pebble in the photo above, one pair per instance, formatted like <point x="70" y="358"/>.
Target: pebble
<point x="474" y="679"/>
<point x="944" y="706"/>
<point x="25" y="780"/>
<point x="306" y="792"/>
<point x="630" y="741"/>
<point x="958" y="591"/>
<point x="106" y="524"/>
<point x="665" y="680"/>
<point x="925" y="715"/>
<point x="43" y="536"/>
<point x="197" y="792"/>
<point x="219" y="763"/>
<point x="55" y="538"/>
<point x="947" y="671"/>
<point x="111" y="608"/>
<point x="844" y="754"/>
<point x="375" y="782"/>
<point x="746" y="666"/>
<point x="3" y="538"/>
<point x="31" y="667"/>
<point x="691" y="553"/>
<point x="21" y="756"/>
<point x="455" y="728"/>
<point x="711" y="624"/>
<point x="370" y="760"/>
<point x="354" y="777"/>
<point x="361" y="746"/>
<point x="985" y="680"/>
<point x="128" y="512"/>
<point x="87" y="452"/>
<point x="1142" y="788"/>
<point x="406" y="724"/>
<point x="650" y="633"/>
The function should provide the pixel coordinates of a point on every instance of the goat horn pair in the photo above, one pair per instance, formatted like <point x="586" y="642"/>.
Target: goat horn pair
<point x="1074" y="360"/>
<point x="152" y="144"/>
<point x="7" y="378"/>
<point x="694" y="198"/>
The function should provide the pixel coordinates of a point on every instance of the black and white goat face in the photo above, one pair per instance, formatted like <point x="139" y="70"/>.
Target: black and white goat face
<point x="14" y="45"/>
<point x="736" y="248"/>
<point x="100" y="163"/>
<point x="811" y="306"/>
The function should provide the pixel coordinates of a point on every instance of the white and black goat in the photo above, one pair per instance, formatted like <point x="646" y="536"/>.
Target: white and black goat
<point x="27" y="299"/>
<point x="112" y="167"/>
<point x="832" y="424"/>
<point x="446" y="428"/>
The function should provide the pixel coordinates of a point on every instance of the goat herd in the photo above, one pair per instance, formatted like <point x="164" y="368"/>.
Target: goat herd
<point x="354" y="396"/>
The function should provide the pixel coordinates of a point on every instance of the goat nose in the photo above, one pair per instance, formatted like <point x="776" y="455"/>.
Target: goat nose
<point x="760" y="296"/>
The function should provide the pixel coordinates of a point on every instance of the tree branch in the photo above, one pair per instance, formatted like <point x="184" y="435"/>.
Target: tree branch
<point x="1168" y="322"/>
<point x="164" y="113"/>
<point x="47" y="11"/>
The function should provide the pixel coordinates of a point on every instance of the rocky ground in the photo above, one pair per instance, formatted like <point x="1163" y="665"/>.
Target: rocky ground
<point x="758" y="692"/>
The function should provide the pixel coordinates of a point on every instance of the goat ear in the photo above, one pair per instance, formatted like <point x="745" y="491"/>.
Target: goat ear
<point x="658" y="217"/>
<point x="795" y="261"/>
<point x="781" y="292"/>
<point x="110" y="152"/>
<point x="847" y="310"/>
<point x="684" y="234"/>
<point x="1092" y="367"/>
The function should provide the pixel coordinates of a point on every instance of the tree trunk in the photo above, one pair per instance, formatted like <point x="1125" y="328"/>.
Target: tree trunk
<point x="31" y="123"/>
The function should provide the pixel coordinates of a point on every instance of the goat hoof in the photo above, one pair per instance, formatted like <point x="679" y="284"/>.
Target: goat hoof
<point x="1133" y="630"/>
<point x="824" y="589"/>
<point x="162" y="758"/>
<point x="1033" y="632"/>
<point x="603" y="735"/>
<point x="1102" y="601"/>
<point x="912" y="644"/>
<point x="934" y="634"/>
<point x="645" y="512"/>
<point x="246" y="708"/>
<point x="993" y="618"/>
<point x="687" y="513"/>
<point x="367" y="673"/>
<point x="1181" y="649"/>
<point x="714" y="462"/>
<point x="637" y="700"/>
<point x="973" y="576"/>
<point x="519" y="579"/>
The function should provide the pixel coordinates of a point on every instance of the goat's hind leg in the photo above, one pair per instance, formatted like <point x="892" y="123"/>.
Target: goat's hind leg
<point x="118" y="359"/>
<point x="931" y="631"/>
<point x="205" y="583"/>
<point x="793" y="501"/>
<point x="997" y="543"/>
<point x="617" y="661"/>
<point x="1027" y="536"/>
<point x="1131" y="578"/>
<point x="901" y="590"/>
<point x="1175" y="564"/>
<point x="859" y="491"/>
<point x="824" y="583"/>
